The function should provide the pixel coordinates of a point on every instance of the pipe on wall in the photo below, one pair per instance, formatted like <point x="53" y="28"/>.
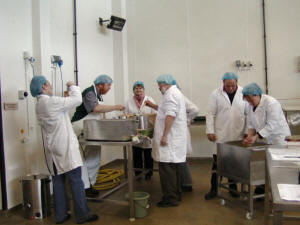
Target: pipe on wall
<point x="75" y="42"/>
<point x="265" y="47"/>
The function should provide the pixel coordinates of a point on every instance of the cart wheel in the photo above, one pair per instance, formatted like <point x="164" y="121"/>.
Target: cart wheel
<point x="222" y="202"/>
<point x="132" y="219"/>
<point x="249" y="216"/>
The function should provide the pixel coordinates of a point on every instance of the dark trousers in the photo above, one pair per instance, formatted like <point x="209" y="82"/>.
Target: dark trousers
<point x="185" y="175"/>
<point x="61" y="204"/>
<point x="139" y="162"/>
<point x="169" y="174"/>
<point x="214" y="181"/>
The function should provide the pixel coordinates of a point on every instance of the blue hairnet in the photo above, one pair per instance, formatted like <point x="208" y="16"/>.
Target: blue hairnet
<point x="36" y="85"/>
<point x="138" y="83"/>
<point x="230" y="76"/>
<point x="103" y="79"/>
<point x="252" y="89"/>
<point x="166" y="79"/>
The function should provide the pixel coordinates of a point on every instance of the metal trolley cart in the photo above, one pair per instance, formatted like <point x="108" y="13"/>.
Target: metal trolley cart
<point x="245" y="165"/>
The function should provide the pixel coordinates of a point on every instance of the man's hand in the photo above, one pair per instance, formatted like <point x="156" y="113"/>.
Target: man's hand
<point x="164" y="141"/>
<point x="212" y="137"/>
<point x="151" y="104"/>
<point x="250" y="139"/>
<point x="119" y="107"/>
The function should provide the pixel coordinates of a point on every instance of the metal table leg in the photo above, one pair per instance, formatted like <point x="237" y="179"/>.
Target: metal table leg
<point x="277" y="218"/>
<point x="267" y="195"/>
<point x="250" y="196"/>
<point x="125" y="161"/>
<point x="130" y="183"/>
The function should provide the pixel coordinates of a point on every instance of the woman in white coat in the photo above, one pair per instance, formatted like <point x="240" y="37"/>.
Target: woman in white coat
<point x="266" y="120"/>
<point x="136" y="105"/>
<point x="185" y="173"/>
<point x="62" y="148"/>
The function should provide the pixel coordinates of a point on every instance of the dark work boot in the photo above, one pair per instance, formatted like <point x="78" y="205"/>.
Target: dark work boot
<point x="232" y="193"/>
<point x="213" y="190"/>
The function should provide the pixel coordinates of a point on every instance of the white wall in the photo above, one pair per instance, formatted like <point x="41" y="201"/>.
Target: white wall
<point x="16" y="36"/>
<point x="197" y="41"/>
<point x="283" y="22"/>
<point x="45" y="28"/>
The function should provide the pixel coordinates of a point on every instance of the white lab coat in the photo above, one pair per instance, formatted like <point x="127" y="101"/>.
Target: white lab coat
<point x="227" y="121"/>
<point x="191" y="112"/>
<point x="173" y="104"/>
<point x="269" y="121"/>
<point x="131" y="108"/>
<point x="59" y="137"/>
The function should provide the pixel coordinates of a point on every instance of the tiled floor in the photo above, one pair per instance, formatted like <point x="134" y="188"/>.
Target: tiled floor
<point x="193" y="210"/>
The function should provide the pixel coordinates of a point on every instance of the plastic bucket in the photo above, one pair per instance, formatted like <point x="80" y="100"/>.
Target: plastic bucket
<point x="140" y="203"/>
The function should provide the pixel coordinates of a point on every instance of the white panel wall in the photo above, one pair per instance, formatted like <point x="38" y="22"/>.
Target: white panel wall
<point x="197" y="41"/>
<point x="45" y="28"/>
<point x="283" y="22"/>
<point x="16" y="36"/>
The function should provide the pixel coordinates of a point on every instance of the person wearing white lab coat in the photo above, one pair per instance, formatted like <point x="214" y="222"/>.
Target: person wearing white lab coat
<point x="136" y="105"/>
<point x="266" y="121"/>
<point x="92" y="109"/>
<point x="62" y="148"/>
<point x="185" y="173"/>
<point x="225" y="121"/>
<point x="170" y="140"/>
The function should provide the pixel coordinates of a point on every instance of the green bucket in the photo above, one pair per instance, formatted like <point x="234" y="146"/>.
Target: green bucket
<point x="140" y="203"/>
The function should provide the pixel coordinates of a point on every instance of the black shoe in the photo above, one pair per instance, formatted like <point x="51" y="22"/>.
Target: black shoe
<point x="67" y="218"/>
<point x="148" y="177"/>
<point x="89" y="219"/>
<point x="210" y="195"/>
<point x="91" y="192"/>
<point x="186" y="188"/>
<point x="164" y="204"/>
<point x="234" y="194"/>
<point x="259" y="190"/>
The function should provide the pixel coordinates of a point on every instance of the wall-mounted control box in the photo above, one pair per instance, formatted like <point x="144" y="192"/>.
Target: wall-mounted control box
<point x="22" y="94"/>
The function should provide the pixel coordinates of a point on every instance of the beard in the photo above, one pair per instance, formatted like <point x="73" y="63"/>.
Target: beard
<point x="163" y="90"/>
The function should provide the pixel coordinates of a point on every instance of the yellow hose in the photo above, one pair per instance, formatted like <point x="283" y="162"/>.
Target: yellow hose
<point x="108" y="178"/>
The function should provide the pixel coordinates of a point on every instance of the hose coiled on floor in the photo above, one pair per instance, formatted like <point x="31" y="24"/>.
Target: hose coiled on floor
<point x="108" y="178"/>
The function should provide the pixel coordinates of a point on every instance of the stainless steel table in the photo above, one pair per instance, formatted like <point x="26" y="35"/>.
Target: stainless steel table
<point x="279" y="172"/>
<point x="128" y="169"/>
<point x="245" y="165"/>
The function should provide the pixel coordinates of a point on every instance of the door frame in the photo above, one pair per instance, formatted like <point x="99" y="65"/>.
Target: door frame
<point x="2" y="157"/>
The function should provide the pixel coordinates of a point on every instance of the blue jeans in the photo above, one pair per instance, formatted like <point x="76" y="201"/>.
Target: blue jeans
<point x="61" y="206"/>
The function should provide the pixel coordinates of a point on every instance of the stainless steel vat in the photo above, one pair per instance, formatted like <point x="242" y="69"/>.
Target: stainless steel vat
<point x="245" y="165"/>
<point x="110" y="129"/>
<point x="36" y="196"/>
<point x="143" y="122"/>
